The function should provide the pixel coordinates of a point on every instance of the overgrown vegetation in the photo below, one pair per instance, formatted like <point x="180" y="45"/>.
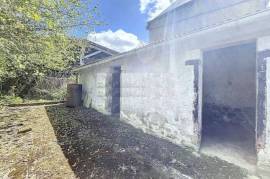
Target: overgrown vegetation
<point x="34" y="40"/>
<point x="4" y="99"/>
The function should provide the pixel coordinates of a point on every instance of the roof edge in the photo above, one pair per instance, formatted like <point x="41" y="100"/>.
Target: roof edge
<point x="173" y="6"/>
<point x="259" y="14"/>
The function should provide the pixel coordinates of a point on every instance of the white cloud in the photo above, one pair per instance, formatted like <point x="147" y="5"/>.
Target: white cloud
<point x="154" y="7"/>
<point x="119" y="40"/>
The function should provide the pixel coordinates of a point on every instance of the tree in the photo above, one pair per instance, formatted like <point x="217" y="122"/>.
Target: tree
<point x="34" y="39"/>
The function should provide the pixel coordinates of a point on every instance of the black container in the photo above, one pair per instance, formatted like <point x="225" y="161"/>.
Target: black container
<point x="74" y="95"/>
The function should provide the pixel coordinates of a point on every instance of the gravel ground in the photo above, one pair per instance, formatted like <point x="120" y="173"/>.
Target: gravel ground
<point x="59" y="142"/>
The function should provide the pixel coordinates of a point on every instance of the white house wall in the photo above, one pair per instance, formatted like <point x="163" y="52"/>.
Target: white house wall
<point x="157" y="84"/>
<point x="201" y="14"/>
<point x="263" y="46"/>
<point x="155" y="96"/>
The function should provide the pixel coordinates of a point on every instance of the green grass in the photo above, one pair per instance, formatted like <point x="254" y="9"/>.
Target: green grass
<point x="5" y="100"/>
<point x="10" y="100"/>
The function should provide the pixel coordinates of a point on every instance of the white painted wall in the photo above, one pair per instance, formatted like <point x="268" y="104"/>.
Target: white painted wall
<point x="201" y="14"/>
<point x="156" y="96"/>
<point x="166" y="95"/>
<point x="263" y="43"/>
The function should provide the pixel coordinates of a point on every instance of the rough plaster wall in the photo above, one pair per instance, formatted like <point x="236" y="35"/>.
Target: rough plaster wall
<point x="157" y="92"/>
<point x="229" y="72"/>
<point x="157" y="104"/>
<point x="201" y="14"/>
<point x="87" y="78"/>
<point x="148" y="60"/>
<point x="159" y="100"/>
<point x="265" y="159"/>
<point x="263" y="44"/>
<point x="95" y="89"/>
<point x="264" y="154"/>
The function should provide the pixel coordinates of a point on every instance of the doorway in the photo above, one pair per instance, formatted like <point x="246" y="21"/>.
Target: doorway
<point x="229" y="104"/>
<point x="116" y="91"/>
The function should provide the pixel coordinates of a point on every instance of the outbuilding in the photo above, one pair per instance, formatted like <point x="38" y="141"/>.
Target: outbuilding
<point x="203" y="81"/>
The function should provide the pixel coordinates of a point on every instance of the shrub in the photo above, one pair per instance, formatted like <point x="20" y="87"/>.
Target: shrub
<point x="5" y="100"/>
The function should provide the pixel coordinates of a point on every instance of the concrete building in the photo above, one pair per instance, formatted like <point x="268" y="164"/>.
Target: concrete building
<point x="203" y="81"/>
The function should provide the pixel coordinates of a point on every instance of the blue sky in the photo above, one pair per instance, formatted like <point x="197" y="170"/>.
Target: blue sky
<point x="123" y="14"/>
<point x="125" y="22"/>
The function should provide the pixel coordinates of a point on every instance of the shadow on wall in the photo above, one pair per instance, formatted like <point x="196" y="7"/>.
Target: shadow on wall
<point x="99" y="146"/>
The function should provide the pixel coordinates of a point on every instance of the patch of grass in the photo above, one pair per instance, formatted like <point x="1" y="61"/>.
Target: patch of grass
<point x="59" y="94"/>
<point x="5" y="100"/>
<point x="48" y="94"/>
<point x="11" y="100"/>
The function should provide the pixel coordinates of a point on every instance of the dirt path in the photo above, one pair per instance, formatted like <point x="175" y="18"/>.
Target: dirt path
<point x="29" y="147"/>
<point x="59" y="142"/>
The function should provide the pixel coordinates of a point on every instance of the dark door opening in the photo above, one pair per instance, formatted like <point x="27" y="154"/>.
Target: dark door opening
<point x="116" y="92"/>
<point x="229" y="104"/>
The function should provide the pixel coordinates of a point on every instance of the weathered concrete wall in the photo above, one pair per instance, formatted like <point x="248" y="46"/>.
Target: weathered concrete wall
<point x="201" y="14"/>
<point x="147" y="103"/>
<point x="97" y="81"/>
<point x="168" y="59"/>
<point x="147" y="88"/>
<point x="263" y="120"/>
<point x="94" y="89"/>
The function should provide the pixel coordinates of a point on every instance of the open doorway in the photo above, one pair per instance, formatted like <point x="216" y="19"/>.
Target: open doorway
<point x="229" y="104"/>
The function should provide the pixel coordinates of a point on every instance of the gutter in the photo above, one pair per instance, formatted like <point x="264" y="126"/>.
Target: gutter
<point x="224" y="24"/>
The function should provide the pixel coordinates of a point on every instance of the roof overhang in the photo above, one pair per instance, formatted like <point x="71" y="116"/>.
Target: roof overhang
<point x="102" y="48"/>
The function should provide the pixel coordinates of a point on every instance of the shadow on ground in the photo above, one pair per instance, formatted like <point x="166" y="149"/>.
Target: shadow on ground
<point x="99" y="146"/>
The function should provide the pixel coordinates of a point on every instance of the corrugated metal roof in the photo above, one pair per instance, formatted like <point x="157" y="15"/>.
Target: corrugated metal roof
<point x="95" y="52"/>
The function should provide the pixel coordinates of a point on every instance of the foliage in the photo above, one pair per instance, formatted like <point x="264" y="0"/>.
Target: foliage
<point x="4" y="100"/>
<point x="59" y="94"/>
<point x="56" y="95"/>
<point x="34" y="39"/>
